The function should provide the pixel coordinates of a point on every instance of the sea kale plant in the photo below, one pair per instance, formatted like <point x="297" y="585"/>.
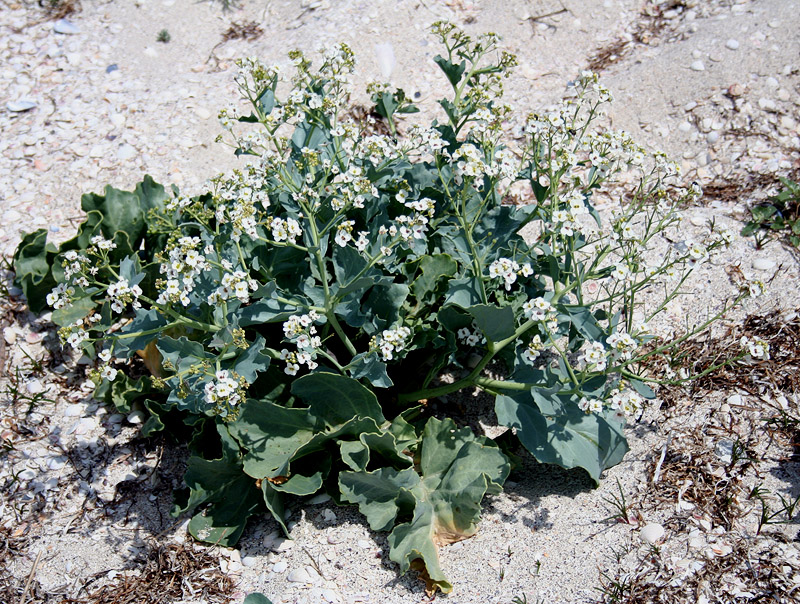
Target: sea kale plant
<point x="300" y="317"/>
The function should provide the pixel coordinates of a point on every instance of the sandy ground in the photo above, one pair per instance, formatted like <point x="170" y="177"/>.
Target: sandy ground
<point x="83" y="501"/>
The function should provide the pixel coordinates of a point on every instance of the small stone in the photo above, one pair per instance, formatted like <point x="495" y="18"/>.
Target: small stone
<point x="112" y="67"/>
<point x="767" y="104"/>
<point x="73" y="411"/>
<point x="249" y="561"/>
<point x="696" y="54"/>
<point x="685" y="127"/>
<point x="280" y="566"/>
<point x="136" y="417"/>
<point x="736" y="90"/>
<point x="697" y="66"/>
<point x="56" y="463"/>
<point x="299" y="575"/>
<point x="712" y="137"/>
<point x="763" y="264"/>
<point x="651" y="533"/>
<point x="115" y="418"/>
<point x="9" y="335"/>
<point x="318" y="499"/>
<point x="202" y="113"/>
<point x="63" y="26"/>
<point x="151" y="52"/>
<point x="735" y="399"/>
<point x="126" y="152"/>
<point x="20" y="106"/>
<point x="34" y="386"/>
<point x="284" y="545"/>
<point x="732" y="44"/>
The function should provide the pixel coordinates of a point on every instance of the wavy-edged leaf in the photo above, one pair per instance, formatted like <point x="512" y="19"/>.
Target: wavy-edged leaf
<point x="335" y="399"/>
<point x="457" y="469"/>
<point x="556" y="431"/>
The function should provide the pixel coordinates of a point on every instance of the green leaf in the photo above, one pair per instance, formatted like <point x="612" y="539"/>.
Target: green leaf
<point x="76" y="311"/>
<point x="32" y="260"/>
<point x="130" y="339"/>
<point x="642" y="388"/>
<point x="252" y="361"/>
<point x="464" y="292"/>
<point x="256" y="598"/>
<point x="433" y="268"/>
<point x="367" y="365"/>
<point x="335" y="399"/>
<point x="457" y="470"/>
<point x="271" y="434"/>
<point x="496" y="323"/>
<point x="556" y="431"/>
<point x="451" y="70"/>
<point x="585" y="323"/>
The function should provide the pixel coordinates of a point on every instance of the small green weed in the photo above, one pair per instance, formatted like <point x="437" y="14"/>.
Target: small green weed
<point x="163" y="36"/>
<point x="778" y="214"/>
<point x="783" y="515"/>
<point x="620" y="505"/>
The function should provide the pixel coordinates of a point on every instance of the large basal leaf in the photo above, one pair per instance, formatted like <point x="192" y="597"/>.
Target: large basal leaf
<point x="556" y="431"/>
<point x="32" y="260"/>
<point x="495" y="322"/>
<point x="456" y="469"/>
<point x="230" y="495"/>
<point x="335" y="399"/>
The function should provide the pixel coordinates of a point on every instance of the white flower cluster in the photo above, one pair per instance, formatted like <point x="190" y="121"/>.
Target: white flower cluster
<point x="755" y="347"/>
<point x="60" y="296"/>
<point x="344" y="232"/>
<point x="73" y="334"/>
<point x="539" y="309"/>
<point x="237" y="284"/>
<point x="626" y="402"/>
<point x="508" y="270"/>
<point x="183" y="264"/>
<point x="594" y="356"/>
<point x="622" y="345"/>
<point x="468" y="162"/>
<point x="101" y="243"/>
<point x="470" y="337"/>
<point x="534" y="349"/>
<point x="225" y="390"/>
<point x="107" y="372"/>
<point x="300" y="330"/>
<point x="393" y="340"/>
<point x="121" y="293"/>
<point x="284" y="230"/>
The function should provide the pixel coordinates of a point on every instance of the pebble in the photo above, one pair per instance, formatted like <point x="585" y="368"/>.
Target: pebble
<point x="767" y="104"/>
<point x="318" y="499"/>
<point x="64" y="26"/>
<point x="712" y="137"/>
<point x="34" y="386"/>
<point x="763" y="264"/>
<point x="202" y="113"/>
<point x="698" y="66"/>
<point x="73" y="410"/>
<point x="249" y="561"/>
<point x="732" y="44"/>
<point x="20" y="106"/>
<point x="280" y="566"/>
<point x="735" y="399"/>
<point x="651" y="533"/>
<point x="136" y="417"/>
<point x="299" y="575"/>
<point x="9" y="335"/>
<point x="685" y="127"/>
<point x="126" y="152"/>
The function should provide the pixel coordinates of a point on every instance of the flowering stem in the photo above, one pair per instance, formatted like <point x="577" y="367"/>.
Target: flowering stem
<point x="323" y="273"/>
